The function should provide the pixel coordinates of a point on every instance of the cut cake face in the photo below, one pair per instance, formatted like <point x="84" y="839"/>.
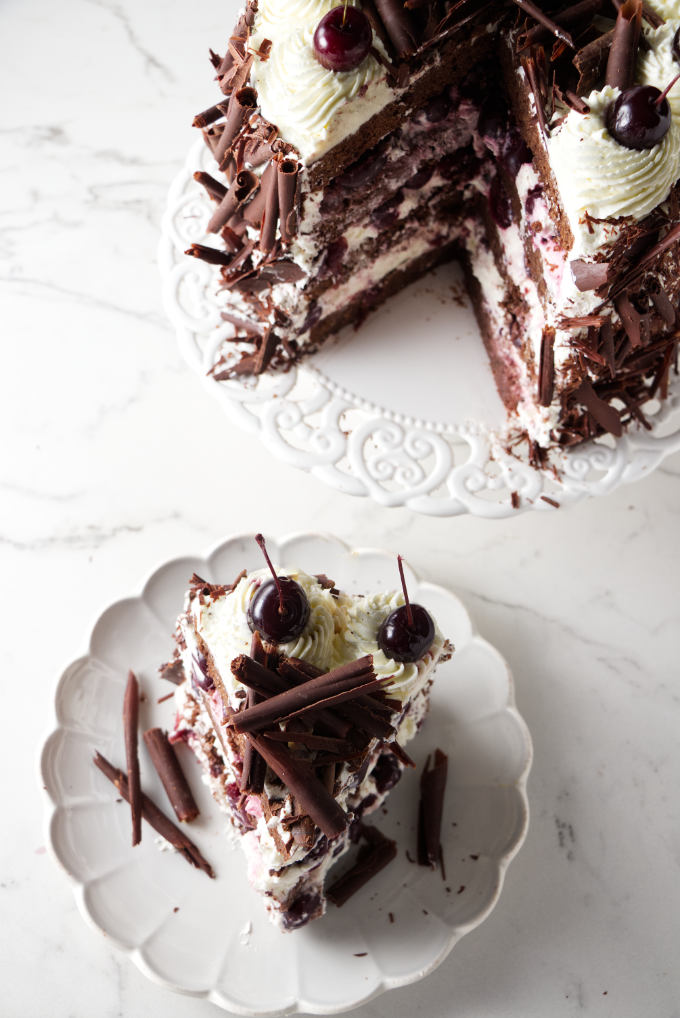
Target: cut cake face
<point x="473" y="130"/>
<point x="302" y="739"/>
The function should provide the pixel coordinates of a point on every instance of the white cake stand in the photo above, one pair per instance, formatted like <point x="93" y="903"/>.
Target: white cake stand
<point x="405" y="411"/>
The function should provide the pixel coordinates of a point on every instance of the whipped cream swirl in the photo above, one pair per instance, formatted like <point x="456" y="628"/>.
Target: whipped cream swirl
<point x="310" y="105"/>
<point x="597" y="175"/>
<point x="666" y="8"/>
<point x="657" y="65"/>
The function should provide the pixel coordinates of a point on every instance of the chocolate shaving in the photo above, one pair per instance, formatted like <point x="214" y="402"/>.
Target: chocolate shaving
<point x="537" y="14"/>
<point x="216" y="190"/>
<point x="254" y="768"/>
<point x="164" y="759"/>
<point x="130" y="722"/>
<point x="606" y="416"/>
<point x="400" y="753"/>
<point x="303" y="784"/>
<point x="432" y="788"/>
<point x="578" y="15"/>
<point x="242" y="187"/>
<point x="365" y="720"/>
<point x="282" y="271"/>
<point x="398" y="25"/>
<point x="173" y="671"/>
<point x="157" y="819"/>
<point x="607" y="344"/>
<point x="257" y="677"/>
<point x="663" y="306"/>
<point x="591" y="62"/>
<point x="546" y="369"/>
<point x="630" y="319"/>
<point x="530" y="69"/>
<point x="589" y="275"/>
<point x="652" y="254"/>
<point x="620" y="71"/>
<point x="343" y="683"/>
<point x="242" y="324"/>
<point x="372" y="858"/>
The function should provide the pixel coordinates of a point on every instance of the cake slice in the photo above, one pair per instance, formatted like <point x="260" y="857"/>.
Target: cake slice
<point x="357" y="147"/>
<point x="300" y="724"/>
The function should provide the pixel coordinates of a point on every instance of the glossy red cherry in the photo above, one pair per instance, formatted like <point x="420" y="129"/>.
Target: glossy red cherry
<point x="407" y="632"/>
<point x="280" y="609"/>
<point x="639" y="118"/>
<point x="406" y="639"/>
<point x="342" y="38"/>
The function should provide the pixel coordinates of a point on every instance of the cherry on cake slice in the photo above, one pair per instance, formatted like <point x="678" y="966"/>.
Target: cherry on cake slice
<point x="297" y="700"/>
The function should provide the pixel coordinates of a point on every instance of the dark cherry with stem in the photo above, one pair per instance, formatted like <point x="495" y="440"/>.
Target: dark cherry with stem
<point x="407" y="632"/>
<point x="641" y="116"/>
<point x="279" y="609"/>
<point x="342" y="38"/>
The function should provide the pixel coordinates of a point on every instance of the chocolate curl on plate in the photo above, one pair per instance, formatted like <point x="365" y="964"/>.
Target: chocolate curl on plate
<point x="158" y="820"/>
<point x="242" y="187"/>
<point x="270" y="213"/>
<point x="398" y="25"/>
<point x="304" y="786"/>
<point x="215" y="189"/>
<point x="537" y="14"/>
<point x="373" y="857"/>
<point x="432" y="788"/>
<point x="240" y="106"/>
<point x="130" y="721"/>
<point x="167" y="766"/>
<point x="287" y="177"/>
<point x="620" y="71"/>
<point x="344" y="683"/>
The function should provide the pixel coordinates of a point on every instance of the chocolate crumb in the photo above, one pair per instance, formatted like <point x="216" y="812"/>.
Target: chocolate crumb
<point x="391" y="915"/>
<point x="176" y="908"/>
<point x="550" y="501"/>
<point x="460" y="889"/>
<point x="360" y="954"/>
<point x="162" y="699"/>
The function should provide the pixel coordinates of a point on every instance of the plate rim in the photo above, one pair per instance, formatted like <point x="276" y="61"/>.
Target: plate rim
<point x="300" y="1005"/>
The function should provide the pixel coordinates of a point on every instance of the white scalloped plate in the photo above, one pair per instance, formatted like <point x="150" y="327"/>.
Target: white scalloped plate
<point x="211" y="938"/>
<point x="403" y="422"/>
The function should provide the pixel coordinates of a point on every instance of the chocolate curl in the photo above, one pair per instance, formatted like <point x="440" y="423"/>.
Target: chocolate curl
<point x="255" y="676"/>
<point x="158" y="820"/>
<point x="209" y="254"/>
<point x="591" y="62"/>
<point x="270" y="214"/>
<point x="242" y="187"/>
<point x="212" y="135"/>
<point x="240" y="105"/>
<point x="287" y="176"/>
<point x="579" y="14"/>
<point x="630" y="319"/>
<point x="372" y="857"/>
<point x="531" y="71"/>
<point x="130" y="721"/>
<point x="254" y="767"/>
<point x="546" y="369"/>
<point x="207" y="117"/>
<point x="216" y="190"/>
<point x="605" y="415"/>
<point x="303" y="785"/>
<point x="398" y="25"/>
<point x="326" y="743"/>
<point x="167" y="766"/>
<point x="432" y="788"/>
<point x="622" y="55"/>
<point x="537" y="14"/>
<point x="343" y="683"/>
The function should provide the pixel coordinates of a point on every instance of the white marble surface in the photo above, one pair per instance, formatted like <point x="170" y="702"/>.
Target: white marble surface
<point x="112" y="461"/>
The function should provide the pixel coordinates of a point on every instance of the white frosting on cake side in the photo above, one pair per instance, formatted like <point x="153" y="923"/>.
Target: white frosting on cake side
<point x="312" y="106"/>
<point x="598" y="176"/>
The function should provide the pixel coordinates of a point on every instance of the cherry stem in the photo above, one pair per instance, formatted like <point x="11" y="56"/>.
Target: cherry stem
<point x="344" y="13"/>
<point x="409" y="613"/>
<point x="260" y="541"/>
<point x="657" y="102"/>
